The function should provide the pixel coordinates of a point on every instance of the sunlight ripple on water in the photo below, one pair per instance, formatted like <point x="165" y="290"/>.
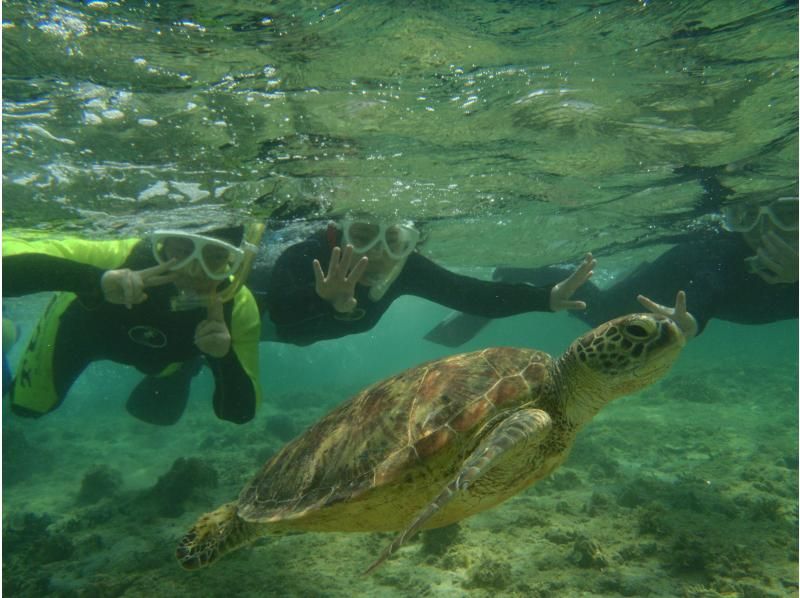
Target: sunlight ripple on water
<point x="564" y="125"/>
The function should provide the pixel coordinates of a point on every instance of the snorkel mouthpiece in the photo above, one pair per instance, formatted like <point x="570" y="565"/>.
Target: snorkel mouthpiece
<point x="188" y="300"/>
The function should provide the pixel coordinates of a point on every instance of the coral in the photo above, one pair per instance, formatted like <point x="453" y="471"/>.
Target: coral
<point x="689" y="555"/>
<point x="560" y="536"/>
<point x="597" y="504"/>
<point x="20" y="581"/>
<point x="639" y="492"/>
<point x="586" y="553"/>
<point x="653" y="520"/>
<point x="490" y="575"/>
<point x="638" y="552"/>
<point x="614" y="583"/>
<point x="20" y="457"/>
<point x="437" y="541"/>
<point x="564" y="479"/>
<point x="98" y="483"/>
<point x="591" y="454"/>
<point x="186" y="479"/>
<point x="33" y="543"/>
<point x="790" y="461"/>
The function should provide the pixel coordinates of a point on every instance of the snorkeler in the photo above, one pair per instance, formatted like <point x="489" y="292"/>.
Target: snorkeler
<point x="156" y="304"/>
<point x="378" y="264"/>
<point x="748" y="274"/>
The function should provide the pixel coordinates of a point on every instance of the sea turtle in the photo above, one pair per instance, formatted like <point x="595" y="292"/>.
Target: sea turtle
<point x="440" y="441"/>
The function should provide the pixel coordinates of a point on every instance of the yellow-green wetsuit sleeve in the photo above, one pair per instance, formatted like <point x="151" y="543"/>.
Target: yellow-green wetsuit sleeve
<point x="101" y="254"/>
<point x="74" y="265"/>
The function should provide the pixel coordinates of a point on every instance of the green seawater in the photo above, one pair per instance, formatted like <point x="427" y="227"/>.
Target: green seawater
<point x="513" y="133"/>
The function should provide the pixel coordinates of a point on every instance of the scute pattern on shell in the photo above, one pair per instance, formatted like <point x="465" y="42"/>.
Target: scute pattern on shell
<point x="384" y="431"/>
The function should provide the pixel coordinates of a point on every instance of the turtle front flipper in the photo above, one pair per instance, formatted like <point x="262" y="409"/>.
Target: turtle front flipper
<point x="213" y="535"/>
<point x="523" y="429"/>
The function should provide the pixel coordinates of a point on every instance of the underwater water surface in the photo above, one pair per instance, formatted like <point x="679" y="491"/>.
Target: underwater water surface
<point x="512" y="133"/>
<point x="547" y="123"/>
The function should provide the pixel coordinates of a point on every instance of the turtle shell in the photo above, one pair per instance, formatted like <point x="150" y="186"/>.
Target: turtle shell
<point x="395" y="429"/>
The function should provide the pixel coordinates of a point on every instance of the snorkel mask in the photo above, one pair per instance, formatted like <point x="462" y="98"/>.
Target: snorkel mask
<point x="397" y="240"/>
<point x="753" y="221"/>
<point x="218" y="259"/>
<point x="743" y="218"/>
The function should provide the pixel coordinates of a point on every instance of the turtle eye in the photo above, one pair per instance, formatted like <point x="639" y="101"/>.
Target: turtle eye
<point x="637" y="331"/>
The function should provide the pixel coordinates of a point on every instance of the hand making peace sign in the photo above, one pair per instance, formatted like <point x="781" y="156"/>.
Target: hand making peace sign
<point x="126" y="287"/>
<point x="561" y="293"/>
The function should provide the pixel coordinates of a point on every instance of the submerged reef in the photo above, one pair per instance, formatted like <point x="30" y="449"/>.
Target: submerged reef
<point x="99" y="483"/>
<point x="662" y="496"/>
<point x="21" y="458"/>
<point x="186" y="481"/>
<point x="31" y="542"/>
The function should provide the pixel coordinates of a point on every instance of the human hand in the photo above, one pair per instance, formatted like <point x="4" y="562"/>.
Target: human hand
<point x="338" y="286"/>
<point x="561" y="293"/>
<point x="211" y="335"/>
<point x="775" y="261"/>
<point x="126" y="287"/>
<point x="678" y="314"/>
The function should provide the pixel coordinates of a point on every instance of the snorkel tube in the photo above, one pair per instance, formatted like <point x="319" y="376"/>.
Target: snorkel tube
<point x="253" y="232"/>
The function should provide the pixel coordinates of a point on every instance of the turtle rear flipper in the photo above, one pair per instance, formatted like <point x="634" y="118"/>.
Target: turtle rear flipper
<point x="523" y="430"/>
<point x="213" y="535"/>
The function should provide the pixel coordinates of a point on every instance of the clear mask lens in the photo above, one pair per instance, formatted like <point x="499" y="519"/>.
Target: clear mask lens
<point x="784" y="212"/>
<point x="400" y="240"/>
<point x="397" y="240"/>
<point x="362" y="236"/>
<point x="218" y="259"/>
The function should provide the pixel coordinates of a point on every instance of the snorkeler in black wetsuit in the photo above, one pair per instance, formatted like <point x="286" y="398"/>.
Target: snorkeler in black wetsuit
<point x="715" y="278"/>
<point x="118" y="303"/>
<point x="747" y="275"/>
<point x="377" y="266"/>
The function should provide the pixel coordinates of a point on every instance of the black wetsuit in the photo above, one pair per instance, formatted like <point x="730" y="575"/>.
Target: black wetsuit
<point x="714" y="275"/>
<point x="301" y="317"/>
<point x="149" y="336"/>
<point x="712" y="272"/>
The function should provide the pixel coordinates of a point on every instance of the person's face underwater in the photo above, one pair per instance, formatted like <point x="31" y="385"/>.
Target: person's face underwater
<point x="772" y="234"/>
<point x="384" y="246"/>
<point x="192" y="276"/>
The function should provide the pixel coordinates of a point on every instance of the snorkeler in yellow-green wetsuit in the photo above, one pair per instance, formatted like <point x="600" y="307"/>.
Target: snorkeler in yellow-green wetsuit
<point x="156" y="303"/>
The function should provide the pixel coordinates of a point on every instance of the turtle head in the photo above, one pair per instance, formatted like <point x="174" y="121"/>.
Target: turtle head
<point x="623" y="356"/>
